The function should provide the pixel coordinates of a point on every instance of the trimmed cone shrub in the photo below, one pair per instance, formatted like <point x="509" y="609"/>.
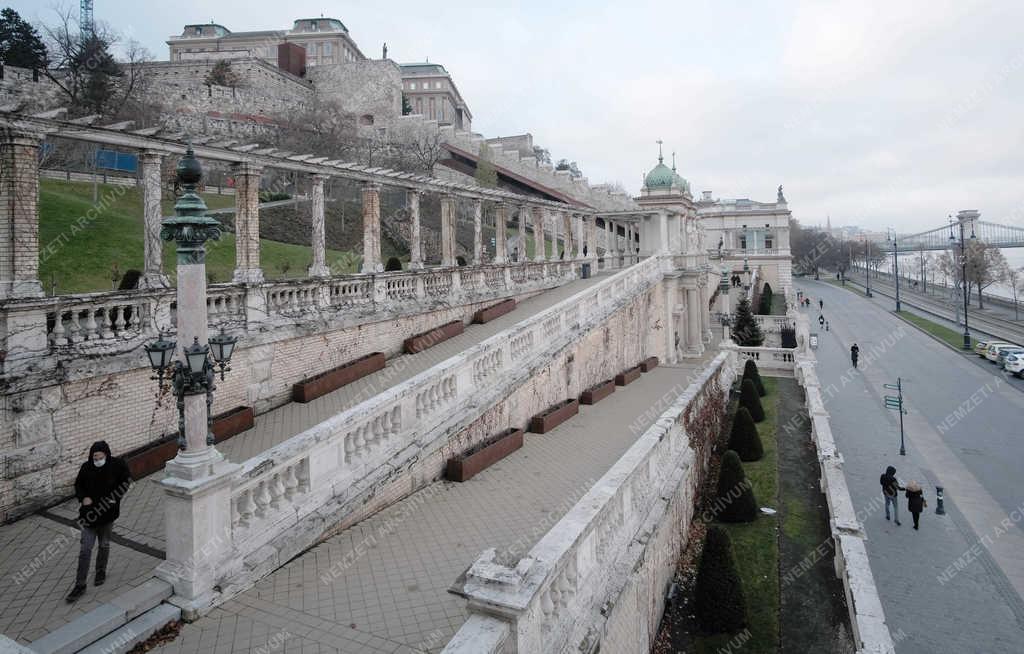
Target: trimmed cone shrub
<point x="744" y="438"/>
<point x="721" y="604"/>
<point x="751" y="372"/>
<point x="393" y="265"/>
<point x="751" y="400"/>
<point x="735" y="501"/>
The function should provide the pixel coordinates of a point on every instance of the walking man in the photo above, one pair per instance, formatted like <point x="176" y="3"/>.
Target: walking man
<point x="890" y="490"/>
<point x="821" y="304"/>
<point x="854" y="354"/>
<point x="101" y="483"/>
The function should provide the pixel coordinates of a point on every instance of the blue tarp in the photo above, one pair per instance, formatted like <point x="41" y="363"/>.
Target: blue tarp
<point x="114" y="160"/>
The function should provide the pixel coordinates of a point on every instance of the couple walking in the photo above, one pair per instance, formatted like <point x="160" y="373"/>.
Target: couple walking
<point x="890" y="491"/>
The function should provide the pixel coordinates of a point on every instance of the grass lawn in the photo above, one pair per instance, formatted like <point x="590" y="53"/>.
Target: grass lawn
<point x="756" y="545"/>
<point x="530" y="248"/>
<point x="950" y="337"/>
<point x="850" y="286"/>
<point x="79" y="249"/>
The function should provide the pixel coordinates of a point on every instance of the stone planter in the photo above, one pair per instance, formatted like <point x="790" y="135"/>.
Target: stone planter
<point x="648" y="364"/>
<point x="420" y="342"/>
<point x="556" y="415"/>
<point x="233" y="422"/>
<point x="483" y="455"/>
<point x="493" y="311"/>
<point x="333" y="379"/>
<point x="598" y="392"/>
<point x="627" y="377"/>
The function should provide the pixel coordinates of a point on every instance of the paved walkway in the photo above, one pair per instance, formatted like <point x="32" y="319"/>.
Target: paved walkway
<point x="955" y="585"/>
<point x="382" y="585"/>
<point x="32" y="604"/>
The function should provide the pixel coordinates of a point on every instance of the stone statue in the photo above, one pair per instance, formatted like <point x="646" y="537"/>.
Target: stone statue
<point x="385" y="56"/>
<point x="781" y="198"/>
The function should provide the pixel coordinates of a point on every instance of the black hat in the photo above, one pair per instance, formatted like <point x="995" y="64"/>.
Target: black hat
<point x="99" y="446"/>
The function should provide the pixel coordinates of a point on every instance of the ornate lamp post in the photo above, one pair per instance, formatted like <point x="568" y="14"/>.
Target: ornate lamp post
<point x="191" y="378"/>
<point x="896" y="267"/>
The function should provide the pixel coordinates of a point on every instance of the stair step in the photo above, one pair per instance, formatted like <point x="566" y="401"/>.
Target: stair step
<point x="143" y="597"/>
<point x="81" y="631"/>
<point x="136" y="631"/>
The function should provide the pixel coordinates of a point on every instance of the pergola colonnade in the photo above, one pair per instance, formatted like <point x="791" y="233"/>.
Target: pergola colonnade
<point x="22" y="137"/>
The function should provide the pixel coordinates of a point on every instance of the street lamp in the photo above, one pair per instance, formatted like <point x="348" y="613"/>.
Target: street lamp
<point x="193" y="375"/>
<point x="896" y="266"/>
<point x="867" y="266"/>
<point x="960" y="219"/>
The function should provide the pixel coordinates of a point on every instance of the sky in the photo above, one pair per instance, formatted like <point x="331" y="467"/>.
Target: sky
<point x="878" y="114"/>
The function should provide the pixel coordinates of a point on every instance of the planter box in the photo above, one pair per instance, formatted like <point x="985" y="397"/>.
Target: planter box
<point x="493" y="311"/>
<point x="648" y="364"/>
<point x="420" y="342"/>
<point x="152" y="458"/>
<point x="233" y="422"/>
<point x="556" y="415"/>
<point x="483" y="455"/>
<point x="627" y="377"/>
<point x="598" y="392"/>
<point x="333" y="379"/>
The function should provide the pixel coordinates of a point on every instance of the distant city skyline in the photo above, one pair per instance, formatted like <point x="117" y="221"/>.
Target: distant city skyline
<point x="864" y="112"/>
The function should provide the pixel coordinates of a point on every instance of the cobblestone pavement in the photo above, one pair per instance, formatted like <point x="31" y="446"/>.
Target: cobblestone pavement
<point x="38" y="557"/>
<point x="141" y="524"/>
<point x="954" y="585"/>
<point x="381" y="586"/>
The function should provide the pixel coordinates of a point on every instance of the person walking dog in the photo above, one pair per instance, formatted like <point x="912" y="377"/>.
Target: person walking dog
<point x="890" y="490"/>
<point x="915" y="501"/>
<point x="101" y="483"/>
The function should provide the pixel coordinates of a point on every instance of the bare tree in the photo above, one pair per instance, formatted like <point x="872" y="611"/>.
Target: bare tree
<point x="1015" y="278"/>
<point x="986" y="265"/>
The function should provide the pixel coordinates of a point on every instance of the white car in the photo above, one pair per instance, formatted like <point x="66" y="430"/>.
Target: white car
<point x="1015" y="365"/>
<point x="992" y="354"/>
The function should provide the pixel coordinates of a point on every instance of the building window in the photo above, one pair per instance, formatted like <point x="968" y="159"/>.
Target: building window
<point x="437" y="85"/>
<point x="312" y="25"/>
<point x="768" y="242"/>
<point x="327" y="48"/>
<point x="412" y="85"/>
<point x="199" y="31"/>
<point x="743" y="242"/>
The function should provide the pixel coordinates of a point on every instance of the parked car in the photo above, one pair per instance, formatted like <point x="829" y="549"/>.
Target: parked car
<point x="993" y="350"/>
<point x="1015" y="365"/>
<point x="981" y="347"/>
<point x="1005" y="352"/>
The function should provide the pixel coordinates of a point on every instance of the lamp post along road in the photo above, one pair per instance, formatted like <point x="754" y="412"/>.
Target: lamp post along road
<point x="198" y="482"/>
<point x="961" y="218"/>
<point x="896" y="269"/>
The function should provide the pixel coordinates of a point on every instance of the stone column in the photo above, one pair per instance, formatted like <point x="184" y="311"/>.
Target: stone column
<point x="412" y="200"/>
<point x="478" y="232"/>
<point x="539" y="244"/>
<point x="19" y="204"/>
<point x="500" y="245"/>
<point x="705" y="310"/>
<point x="581" y="237"/>
<point x="448" y="231"/>
<point x="319" y="267"/>
<point x="569" y="239"/>
<point x="371" y="228"/>
<point x="523" y="212"/>
<point x="552" y="222"/>
<point x="152" y="247"/>
<point x="247" y="224"/>
<point x="693" y="340"/>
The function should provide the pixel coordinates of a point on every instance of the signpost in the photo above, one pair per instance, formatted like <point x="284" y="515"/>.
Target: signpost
<point x="895" y="402"/>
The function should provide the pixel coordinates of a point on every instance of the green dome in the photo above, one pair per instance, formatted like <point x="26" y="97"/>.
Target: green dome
<point x="660" y="177"/>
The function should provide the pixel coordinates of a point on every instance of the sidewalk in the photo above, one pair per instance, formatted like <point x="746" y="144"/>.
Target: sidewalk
<point x="382" y="585"/>
<point x="33" y="604"/>
<point x="941" y="588"/>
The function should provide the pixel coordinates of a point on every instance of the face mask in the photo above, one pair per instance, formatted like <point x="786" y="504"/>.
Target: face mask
<point x="99" y="463"/>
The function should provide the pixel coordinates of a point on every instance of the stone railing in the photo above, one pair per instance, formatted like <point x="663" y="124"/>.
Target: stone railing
<point x="116" y="322"/>
<point x="773" y="324"/>
<point x="768" y="359"/>
<point x="867" y="618"/>
<point x="325" y="467"/>
<point x="559" y="597"/>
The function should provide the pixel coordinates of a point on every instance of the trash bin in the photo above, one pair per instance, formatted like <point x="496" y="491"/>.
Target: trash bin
<point x="585" y="271"/>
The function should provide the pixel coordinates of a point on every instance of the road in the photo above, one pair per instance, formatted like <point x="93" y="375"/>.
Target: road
<point x="956" y="585"/>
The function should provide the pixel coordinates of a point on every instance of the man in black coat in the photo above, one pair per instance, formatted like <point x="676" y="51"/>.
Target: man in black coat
<point x="101" y="483"/>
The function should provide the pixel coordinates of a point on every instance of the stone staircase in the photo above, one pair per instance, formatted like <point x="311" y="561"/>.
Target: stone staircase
<point x="111" y="628"/>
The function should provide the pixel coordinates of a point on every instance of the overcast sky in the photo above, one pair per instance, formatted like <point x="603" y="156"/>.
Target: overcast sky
<point x="876" y="113"/>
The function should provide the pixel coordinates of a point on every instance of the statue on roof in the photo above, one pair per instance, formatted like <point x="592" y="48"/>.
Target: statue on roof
<point x="385" y="56"/>
<point x="781" y="197"/>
